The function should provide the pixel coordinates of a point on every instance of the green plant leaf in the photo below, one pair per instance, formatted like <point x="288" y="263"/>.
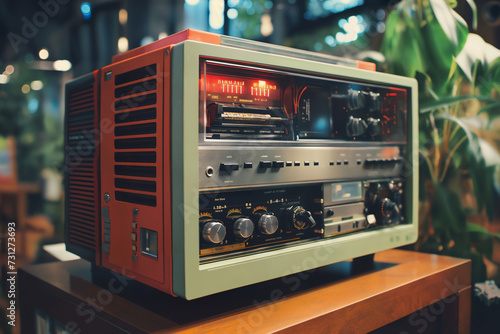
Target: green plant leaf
<point x="445" y="33"/>
<point x="493" y="74"/>
<point x="452" y="25"/>
<point x="481" y="239"/>
<point x="447" y="212"/>
<point x="403" y="43"/>
<point x="472" y="149"/>
<point x="473" y="7"/>
<point x="492" y="109"/>
<point x="449" y="100"/>
<point x="474" y="60"/>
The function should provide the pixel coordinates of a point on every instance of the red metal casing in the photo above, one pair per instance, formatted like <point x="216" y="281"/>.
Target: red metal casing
<point x="121" y="121"/>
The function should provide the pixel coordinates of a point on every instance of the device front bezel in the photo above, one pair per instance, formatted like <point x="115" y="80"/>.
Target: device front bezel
<point x="192" y="280"/>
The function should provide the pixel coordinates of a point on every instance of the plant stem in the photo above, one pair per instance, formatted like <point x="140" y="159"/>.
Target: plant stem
<point x="429" y="164"/>
<point x="448" y="159"/>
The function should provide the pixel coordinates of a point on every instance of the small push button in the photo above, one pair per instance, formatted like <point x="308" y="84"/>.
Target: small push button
<point x="278" y="164"/>
<point x="229" y="167"/>
<point x="265" y="164"/>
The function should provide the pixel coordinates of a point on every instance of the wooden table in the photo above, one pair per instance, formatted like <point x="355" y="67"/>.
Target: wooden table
<point x="404" y="292"/>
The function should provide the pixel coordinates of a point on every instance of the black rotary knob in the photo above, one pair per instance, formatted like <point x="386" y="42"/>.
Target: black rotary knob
<point x="213" y="232"/>
<point x="356" y="99"/>
<point x="374" y="102"/>
<point x="387" y="212"/>
<point x="300" y="218"/>
<point x="355" y="127"/>
<point x="374" y="127"/>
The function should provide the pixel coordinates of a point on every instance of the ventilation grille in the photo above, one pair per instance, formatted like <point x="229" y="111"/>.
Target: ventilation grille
<point x="135" y="136"/>
<point x="81" y="159"/>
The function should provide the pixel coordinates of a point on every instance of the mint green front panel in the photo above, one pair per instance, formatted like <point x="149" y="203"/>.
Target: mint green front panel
<point x="192" y="280"/>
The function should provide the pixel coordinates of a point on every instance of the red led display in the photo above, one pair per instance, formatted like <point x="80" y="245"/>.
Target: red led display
<point x="225" y="88"/>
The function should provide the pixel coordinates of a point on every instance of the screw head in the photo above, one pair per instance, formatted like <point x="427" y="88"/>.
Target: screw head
<point x="107" y="197"/>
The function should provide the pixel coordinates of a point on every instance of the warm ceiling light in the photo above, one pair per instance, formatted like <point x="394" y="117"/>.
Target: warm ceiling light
<point x="9" y="69"/>
<point x="36" y="85"/>
<point x="123" y="16"/>
<point x="25" y="88"/>
<point x="62" y="65"/>
<point x="43" y="54"/>
<point x="123" y="44"/>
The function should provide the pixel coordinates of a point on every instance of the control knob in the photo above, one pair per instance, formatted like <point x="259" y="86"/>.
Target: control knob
<point x="243" y="228"/>
<point x="387" y="212"/>
<point x="355" y="127"/>
<point x="213" y="232"/>
<point x="300" y="218"/>
<point x="356" y="99"/>
<point x="374" y="103"/>
<point x="374" y="127"/>
<point x="268" y="223"/>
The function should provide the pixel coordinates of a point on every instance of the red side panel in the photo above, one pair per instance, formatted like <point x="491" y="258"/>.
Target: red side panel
<point x="135" y="168"/>
<point x="189" y="34"/>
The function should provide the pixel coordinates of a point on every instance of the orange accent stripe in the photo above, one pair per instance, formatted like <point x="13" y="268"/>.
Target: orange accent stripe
<point x="185" y="35"/>
<point x="364" y="65"/>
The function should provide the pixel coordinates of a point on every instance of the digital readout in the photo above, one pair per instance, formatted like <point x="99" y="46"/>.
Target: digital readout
<point x="240" y="90"/>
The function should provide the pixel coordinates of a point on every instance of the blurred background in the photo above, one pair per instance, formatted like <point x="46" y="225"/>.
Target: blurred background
<point x="43" y="44"/>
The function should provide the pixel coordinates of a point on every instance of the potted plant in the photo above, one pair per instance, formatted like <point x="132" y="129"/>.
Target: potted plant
<point x="459" y="85"/>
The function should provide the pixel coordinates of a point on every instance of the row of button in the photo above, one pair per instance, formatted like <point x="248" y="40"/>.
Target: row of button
<point x="281" y="164"/>
<point x="228" y="167"/>
<point x="383" y="163"/>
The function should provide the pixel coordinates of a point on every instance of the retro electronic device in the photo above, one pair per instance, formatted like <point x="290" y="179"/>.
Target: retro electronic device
<point x="201" y="163"/>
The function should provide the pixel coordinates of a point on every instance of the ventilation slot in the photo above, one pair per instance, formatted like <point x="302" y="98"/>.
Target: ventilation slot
<point x="148" y="186"/>
<point x="135" y="143"/>
<point x="137" y="129"/>
<point x="141" y="157"/>
<point x="136" y="140"/>
<point x="81" y="159"/>
<point x="143" y="171"/>
<point x="137" y="88"/>
<point x="123" y="196"/>
<point x="136" y="115"/>
<point x="137" y="74"/>
<point x="135" y="102"/>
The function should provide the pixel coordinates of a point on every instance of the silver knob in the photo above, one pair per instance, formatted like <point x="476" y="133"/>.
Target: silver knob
<point x="243" y="228"/>
<point x="213" y="232"/>
<point x="268" y="223"/>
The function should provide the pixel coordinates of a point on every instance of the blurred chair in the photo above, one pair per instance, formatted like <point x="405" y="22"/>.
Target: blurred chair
<point x="14" y="205"/>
